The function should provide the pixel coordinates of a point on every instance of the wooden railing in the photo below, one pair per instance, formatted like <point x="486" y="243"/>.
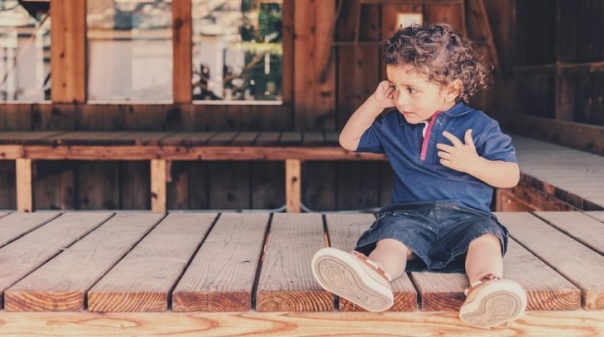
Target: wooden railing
<point x="160" y="148"/>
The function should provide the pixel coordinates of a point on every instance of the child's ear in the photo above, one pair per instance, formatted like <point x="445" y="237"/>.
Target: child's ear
<point x="453" y="90"/>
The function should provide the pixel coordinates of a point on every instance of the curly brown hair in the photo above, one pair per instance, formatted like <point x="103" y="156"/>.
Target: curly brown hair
<point x="441" y="54"/>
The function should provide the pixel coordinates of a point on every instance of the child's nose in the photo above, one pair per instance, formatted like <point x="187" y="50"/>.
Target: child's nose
<point x="402" y="99"/>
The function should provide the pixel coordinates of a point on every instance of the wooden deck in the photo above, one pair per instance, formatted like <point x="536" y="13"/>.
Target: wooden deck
<point x="555" y="177"/>
<point x="106" y="273"/>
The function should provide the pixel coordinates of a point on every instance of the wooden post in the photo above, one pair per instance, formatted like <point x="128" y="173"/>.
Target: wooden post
<point x="68" y="51"/>
<point x="182" y="31"/>
<point x="24" y="189"/>
<point x="293" y="182"/>
<point x="158" y="185"/>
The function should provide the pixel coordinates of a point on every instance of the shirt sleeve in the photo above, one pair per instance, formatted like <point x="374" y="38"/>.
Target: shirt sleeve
<point x="495" y="145"/>
<point x="370" y="140"/>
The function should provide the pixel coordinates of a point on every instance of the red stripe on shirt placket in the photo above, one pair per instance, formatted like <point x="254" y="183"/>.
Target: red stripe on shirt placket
<point x="424" y="151"/>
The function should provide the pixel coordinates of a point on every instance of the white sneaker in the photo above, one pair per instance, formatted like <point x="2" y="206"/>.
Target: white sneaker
<point x="354" y="277"/>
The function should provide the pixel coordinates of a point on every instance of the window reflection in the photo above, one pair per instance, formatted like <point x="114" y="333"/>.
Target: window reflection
<point x="24" y="51"/>
<point x="237" y="50"/>
<point x="129" y="50"/>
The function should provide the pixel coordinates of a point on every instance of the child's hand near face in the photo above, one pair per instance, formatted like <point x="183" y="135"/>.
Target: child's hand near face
<point x="384" y="94"/>
<point x="459" y="156"/>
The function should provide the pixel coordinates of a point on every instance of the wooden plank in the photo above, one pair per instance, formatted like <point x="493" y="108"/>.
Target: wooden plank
<point x="245" y="138"/>
<point x="15" y="225"/>
<point x="579" y="226"/>
<point x="199" y="138"/>
<point x="286" y="282"/>
<point x="287" y="41"/>
<point x="279" y="324"/>
<point x="191" y="153"/>
<point x="68" y="52"/>
<point x="142" y="138"/>
<point x="578" y="263"/>
<point x="596" y="215"/>
<point x="293" y="186"/>
<point x="142" y="280"/>
<point x="344" y="231"/>
<point x="221" y="276"/>
<point x="61" y="284"/>
<point x="21" y="257"/>
<point x="23" y="171"/>
<point x="560" y="132"/>
<point x="573" y="174"/>
<point x="175" y="139"/>
<point x="546" y="289"/>
<point x="268" y="138"/>
<point x="27" y="137"/>
<point x="290" y="138"/>
<point x="182" y="32"/>
<point x="440" y="292"/>
<point x="314" y="138"/>
<point x="332" y="138"/>
<point x="95" y="183"/>
<point x="158" y="186"/>
<point x="91" y="138"/>
<point x="228" y="185"/>
<point x="222" y="138"/>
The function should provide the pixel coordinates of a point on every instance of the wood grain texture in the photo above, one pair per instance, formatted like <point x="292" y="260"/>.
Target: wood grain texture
<point x="579" y="226"/>
<point x="142" y="280"/>
<point x="62" y="283"/>
<point x="344" y="231"/>
<point x="68" y="52"/>
<point x="541" y="323"/>
<point x="14" y="225"/>
<point x="23" y="256"/>
<point x="221" y="276"/>
<point x="581" y="265"/>
<point x="286" y="282"/>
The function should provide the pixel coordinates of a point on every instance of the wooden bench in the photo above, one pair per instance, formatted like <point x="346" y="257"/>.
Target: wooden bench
<point x="96" y="273"/>
<point x="553" y="177"/>
<point x="160" y="148"/>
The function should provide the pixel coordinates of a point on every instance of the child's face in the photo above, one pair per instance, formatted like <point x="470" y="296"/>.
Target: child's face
<point x="414" y="96"/>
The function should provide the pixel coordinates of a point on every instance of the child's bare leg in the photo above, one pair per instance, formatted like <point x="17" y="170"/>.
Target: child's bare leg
<point x="484" y="257"/>
<point x="392" y="256"/>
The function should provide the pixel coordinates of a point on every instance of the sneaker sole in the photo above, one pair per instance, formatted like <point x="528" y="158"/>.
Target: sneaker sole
<point x="341" y="274"/>
<point x="496" y="304"/>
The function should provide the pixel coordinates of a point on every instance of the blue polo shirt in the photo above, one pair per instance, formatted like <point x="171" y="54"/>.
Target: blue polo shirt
<point x="419" y="176"/>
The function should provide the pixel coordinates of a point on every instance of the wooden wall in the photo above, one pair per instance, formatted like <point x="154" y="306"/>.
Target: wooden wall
<point x="325" y="79"/>
<point x="559" y="72"/>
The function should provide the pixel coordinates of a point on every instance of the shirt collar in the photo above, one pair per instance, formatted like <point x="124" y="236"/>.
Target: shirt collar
<point x="459" y="109"/>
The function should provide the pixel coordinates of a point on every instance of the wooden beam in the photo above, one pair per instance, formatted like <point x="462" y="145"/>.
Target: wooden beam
<point x="542" y="323"/>
<point x="141" y="152"/>
<point x="182" y="32"/>
<point x="293" y="183"/>
<point x="580" y="136"/>
<point x="68" y="51"/>
<point x="158" y="185"/>
<point x="24" y="187"/>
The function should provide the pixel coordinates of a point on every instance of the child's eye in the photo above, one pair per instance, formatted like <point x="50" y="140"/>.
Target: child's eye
<point x="411" y="90"/>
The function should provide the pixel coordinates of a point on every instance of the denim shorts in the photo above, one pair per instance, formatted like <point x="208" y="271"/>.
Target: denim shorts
<point x="438" y="233"/>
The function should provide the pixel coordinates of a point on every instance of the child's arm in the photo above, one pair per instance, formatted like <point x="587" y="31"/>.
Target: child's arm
<point x="363" y="117"/>
<point x="463" y="158"/>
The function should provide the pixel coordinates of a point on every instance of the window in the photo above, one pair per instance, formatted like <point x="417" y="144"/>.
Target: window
<point x="237" y="51"/>
<point x="129" y="50"/>
<point x="24" y="51"/>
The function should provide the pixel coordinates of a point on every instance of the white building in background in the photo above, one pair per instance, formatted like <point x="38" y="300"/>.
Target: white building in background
<point x="24" y="55"/>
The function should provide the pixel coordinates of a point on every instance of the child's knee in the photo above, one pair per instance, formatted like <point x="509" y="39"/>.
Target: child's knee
<point x="488" y="238"/>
